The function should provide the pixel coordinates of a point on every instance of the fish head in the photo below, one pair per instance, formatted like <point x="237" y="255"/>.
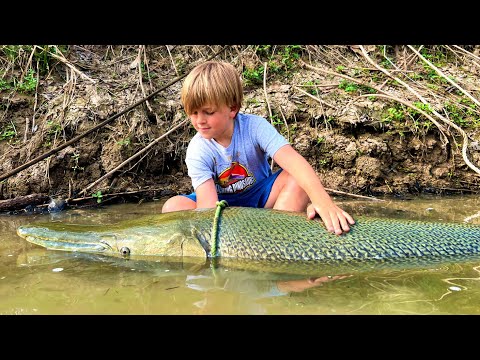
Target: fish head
<point x="66" y="239"/>
<point x="122" y="241"/>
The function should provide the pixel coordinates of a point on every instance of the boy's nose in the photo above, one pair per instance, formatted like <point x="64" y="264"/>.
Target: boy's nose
<point x="201" y="119"/>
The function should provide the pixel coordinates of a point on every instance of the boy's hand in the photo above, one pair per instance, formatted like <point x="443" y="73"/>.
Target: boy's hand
<point x="335" y="219"/>
<point x="303" y="284"/>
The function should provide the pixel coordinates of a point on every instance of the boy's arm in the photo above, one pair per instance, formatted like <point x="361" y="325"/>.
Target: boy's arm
<point x="206" y="194"/>
<point x="335" y="219"/>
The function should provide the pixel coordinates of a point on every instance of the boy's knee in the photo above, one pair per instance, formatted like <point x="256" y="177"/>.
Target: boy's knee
<point x="295" y="191"/>
<point x="292" y="184"/>
<point x="177" y="203"/>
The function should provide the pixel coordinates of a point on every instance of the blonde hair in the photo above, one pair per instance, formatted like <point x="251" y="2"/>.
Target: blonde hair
<point x="213" y="82"/>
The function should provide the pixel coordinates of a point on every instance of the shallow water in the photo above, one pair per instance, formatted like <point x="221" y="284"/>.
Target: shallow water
<point x="38" y="281"/>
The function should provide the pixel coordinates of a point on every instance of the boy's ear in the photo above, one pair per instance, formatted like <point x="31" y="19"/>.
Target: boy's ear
<point x="234" y="108"/>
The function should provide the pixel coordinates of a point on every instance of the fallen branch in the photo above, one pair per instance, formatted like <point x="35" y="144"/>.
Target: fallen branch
<point x="315" y="98"/>
<point x="353" y="195"/>
<point x="268" y="103"/>
<point x="21" y="202"/>
<point x="109" y="196"/>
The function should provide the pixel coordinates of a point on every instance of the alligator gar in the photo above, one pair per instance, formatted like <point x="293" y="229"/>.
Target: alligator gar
<point x="264" y="235"/>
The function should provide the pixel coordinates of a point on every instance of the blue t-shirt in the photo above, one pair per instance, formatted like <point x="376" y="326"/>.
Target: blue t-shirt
<point x="240" y="165"/>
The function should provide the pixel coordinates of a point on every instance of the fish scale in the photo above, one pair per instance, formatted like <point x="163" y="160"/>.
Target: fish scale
<point x="253" y="234"/>
<point x="264" y="235"/>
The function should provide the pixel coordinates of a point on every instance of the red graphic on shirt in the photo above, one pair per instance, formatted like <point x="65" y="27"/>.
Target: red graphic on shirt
<point x="234" y="179"/>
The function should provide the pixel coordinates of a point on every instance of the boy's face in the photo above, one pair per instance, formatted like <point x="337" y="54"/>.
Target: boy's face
<point x="214" y="121"/>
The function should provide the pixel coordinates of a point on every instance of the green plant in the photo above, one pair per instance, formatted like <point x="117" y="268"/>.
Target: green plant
<point x="275" y="120"/>
<point x="29" y="82"/>
<point x="124" y="142"/>
<point x="386" y="64"/>
<point x="311" y="86"/>
<point x="393" y="114"/>
<point x="463" y="114"/>
<point x="264" y="50"/>
<point x="348" y="86"/>
<point x="290" y="55"/>
<point x="98" y="195"/>
<point x="279" y="60"/>
<point x="425" y="107"/>
<point x="435" y="55"/>
<point x="427" y="125"/>
<point x="355" y="72"/>
<point x="416" y="76"/>
<point x="52" y="130"/>
<point x="5" y="85"/>
<point x="75" y="167"/>
<point x="8" y="132"/>
<point x="253" y="76"/>
<point x="251" y="101"/>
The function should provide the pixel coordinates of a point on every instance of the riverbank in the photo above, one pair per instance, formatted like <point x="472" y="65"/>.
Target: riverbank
<point x="381" y="121"/>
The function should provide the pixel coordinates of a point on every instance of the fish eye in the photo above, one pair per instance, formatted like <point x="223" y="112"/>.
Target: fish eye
<point x="125" y="251"/>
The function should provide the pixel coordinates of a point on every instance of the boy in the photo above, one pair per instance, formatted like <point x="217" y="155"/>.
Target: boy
<point x="228" y="157"/>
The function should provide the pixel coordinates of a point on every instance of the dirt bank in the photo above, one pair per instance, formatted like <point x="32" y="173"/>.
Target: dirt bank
<point x="375" y="120"/>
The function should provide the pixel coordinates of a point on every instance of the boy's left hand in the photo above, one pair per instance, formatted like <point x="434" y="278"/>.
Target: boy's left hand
<point x="335" y="219"/>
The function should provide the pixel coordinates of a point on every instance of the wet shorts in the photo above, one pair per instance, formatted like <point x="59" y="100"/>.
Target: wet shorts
<point x="255" y="197"/>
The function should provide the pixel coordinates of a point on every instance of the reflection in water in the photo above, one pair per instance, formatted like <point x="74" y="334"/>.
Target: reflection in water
<point x="245" y="286"/>
<point x="250" y="288"/>
<point x="38" y="281"/>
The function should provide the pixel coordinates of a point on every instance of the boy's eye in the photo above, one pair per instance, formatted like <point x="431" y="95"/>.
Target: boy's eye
<point x="209" y="112"/>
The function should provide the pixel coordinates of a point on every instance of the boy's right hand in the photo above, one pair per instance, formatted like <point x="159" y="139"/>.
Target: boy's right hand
<point x="335" y="219"/>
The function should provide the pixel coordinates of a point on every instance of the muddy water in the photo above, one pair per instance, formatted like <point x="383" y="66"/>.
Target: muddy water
<point x="38" y="281"/>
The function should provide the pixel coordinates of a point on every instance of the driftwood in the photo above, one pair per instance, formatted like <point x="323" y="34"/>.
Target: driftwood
<point x="21" y="202"/>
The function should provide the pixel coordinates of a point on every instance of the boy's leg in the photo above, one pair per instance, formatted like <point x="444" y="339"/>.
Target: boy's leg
<point x="286" y="194"/>
<point x="178" y="202"/>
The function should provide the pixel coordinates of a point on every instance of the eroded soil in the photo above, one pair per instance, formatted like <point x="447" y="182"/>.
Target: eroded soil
<point x="344" y="136"/>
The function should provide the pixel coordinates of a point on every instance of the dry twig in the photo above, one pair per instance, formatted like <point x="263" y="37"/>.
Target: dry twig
<point x="314" y="97"/>
<point x="266" y="100"/>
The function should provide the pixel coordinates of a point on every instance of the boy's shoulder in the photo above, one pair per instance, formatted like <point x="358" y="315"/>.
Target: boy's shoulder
<point x="196" y="144"/>
<point x="246" y="116"/>
<point x="250" y="120"/>
<point x="196" y="139"/>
